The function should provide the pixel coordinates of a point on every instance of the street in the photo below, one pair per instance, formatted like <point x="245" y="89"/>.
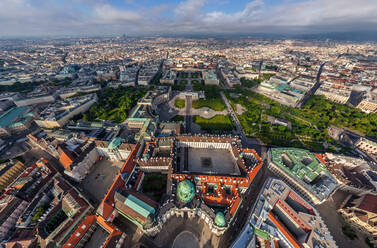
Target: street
<point x="253" y="143"/>
<point x="188" y="117"/>
<point x="247" y="204"/>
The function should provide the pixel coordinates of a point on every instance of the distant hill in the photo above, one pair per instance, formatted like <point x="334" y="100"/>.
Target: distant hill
<point x="356" y="36"/>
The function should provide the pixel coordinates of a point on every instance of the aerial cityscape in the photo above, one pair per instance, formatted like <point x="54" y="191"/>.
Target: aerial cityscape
<point x="188" y="124"/>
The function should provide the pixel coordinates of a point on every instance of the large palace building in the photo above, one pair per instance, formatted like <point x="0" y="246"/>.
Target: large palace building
<point x="220" y="169"/>
<point x="206" y="178"/>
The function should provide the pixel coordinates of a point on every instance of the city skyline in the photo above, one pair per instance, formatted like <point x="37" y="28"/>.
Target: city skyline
<point x="191" y="17"/>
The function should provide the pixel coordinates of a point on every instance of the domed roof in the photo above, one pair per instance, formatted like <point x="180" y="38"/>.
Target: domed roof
<point x="115" y="143"/>
<point x="220" y="219"/>
<point x="185" y="191"/>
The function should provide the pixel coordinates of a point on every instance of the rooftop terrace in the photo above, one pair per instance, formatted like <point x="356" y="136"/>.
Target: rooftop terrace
<point x="298" y="163"/>
<point x="306" y="168"/>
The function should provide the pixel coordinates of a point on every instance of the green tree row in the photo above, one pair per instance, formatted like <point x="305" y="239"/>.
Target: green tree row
<point x="249" y="83"/>
<point x="325" y="112"/>
<point x="114" y="104"/>
<point x="308" y="125"/>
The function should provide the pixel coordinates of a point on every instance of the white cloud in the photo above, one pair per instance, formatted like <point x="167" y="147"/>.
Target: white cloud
<point x="323" y="12"/>
<point x="109" y="15"/>
<point x="38" y="17"/>
<point x="189" y="9"/>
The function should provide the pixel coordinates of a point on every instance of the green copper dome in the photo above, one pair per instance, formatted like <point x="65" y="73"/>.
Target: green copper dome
<point x="220" y="219"/>
<point x="185" y="191"/>
<point x="115" y="143"/>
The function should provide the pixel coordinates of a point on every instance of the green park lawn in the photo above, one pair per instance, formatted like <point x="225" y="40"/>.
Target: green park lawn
<point x="213" y="98"/>
<point x="181" y="85"/>
<point x="195" y="75"/>
<point x="216" y="104"/>
<point x="216" y="123"/>
<point x="179" y="103"/>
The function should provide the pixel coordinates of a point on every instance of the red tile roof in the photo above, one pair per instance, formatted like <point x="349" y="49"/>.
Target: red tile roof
<point x="80" y="231"/>
<point x="284" y="231"/>
<point x="300" y="201"/>
<point x="289" y="211"/>
<point x="106" y="206"/>
<point x="138" y="180"/>
<point x="65" y="160"/>
<point x="235" y="205"/>
<point x="369" y="203"/>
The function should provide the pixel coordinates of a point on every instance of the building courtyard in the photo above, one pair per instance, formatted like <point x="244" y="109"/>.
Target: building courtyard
<point x="211" y="161"/>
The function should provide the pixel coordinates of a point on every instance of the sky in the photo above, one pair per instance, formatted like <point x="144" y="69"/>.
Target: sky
<point x="183" y="17"/>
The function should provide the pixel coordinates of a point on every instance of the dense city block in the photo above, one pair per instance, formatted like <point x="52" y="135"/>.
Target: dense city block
<point x="183" y="142"/>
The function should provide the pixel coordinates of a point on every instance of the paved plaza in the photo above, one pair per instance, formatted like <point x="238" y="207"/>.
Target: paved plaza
<point x="219" y="161"/>
<point x="194" y="232"/>
<point x="185" y="239"/>
<point x="100" y="178"/>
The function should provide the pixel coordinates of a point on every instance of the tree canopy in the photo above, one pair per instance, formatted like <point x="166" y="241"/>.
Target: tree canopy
<point x="114" y="104"/>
